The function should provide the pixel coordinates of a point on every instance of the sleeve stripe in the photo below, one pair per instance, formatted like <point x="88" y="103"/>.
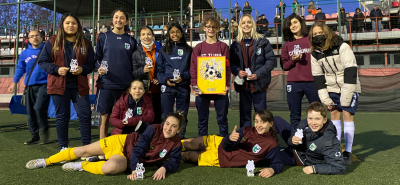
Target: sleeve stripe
<point x="350" y="75"/>
<point x="320" y="82"/>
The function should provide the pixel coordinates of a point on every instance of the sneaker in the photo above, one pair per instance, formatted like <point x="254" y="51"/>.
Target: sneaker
<point x="102" y="157"/>
<point x="348" y="157"/>
<point x="37" y="163"/>
<point x="63" y="148"/>
<point x="72" y="166"/>
<point x="45" y="137"/>
<point x="34" y="139"/>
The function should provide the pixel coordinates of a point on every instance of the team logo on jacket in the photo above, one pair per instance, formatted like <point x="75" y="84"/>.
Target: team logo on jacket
<point x="127" y="46"/>
<point x="313" y="147"/>
<point x="163" y="153"/>
<point x="256" y="148"/>
<point x="338" y="154"/>
<point x="258" y="51"/>
<point x="139" y="111"/>
<point x="289" y="88"/>
<point x="83" y="51"/>
<point x="180" y="52"/>
<point x="163" y="87"/>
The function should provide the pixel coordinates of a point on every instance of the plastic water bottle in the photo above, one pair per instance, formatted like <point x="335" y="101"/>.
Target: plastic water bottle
<point x="95" y="119"/>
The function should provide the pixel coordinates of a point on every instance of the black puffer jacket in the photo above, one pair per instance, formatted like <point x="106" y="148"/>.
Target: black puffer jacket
<point x="138" y="62"/>
<point x="320" y="150"/>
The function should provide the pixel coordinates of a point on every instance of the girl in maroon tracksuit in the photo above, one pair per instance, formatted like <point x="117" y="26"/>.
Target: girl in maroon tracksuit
<point x="140" y="103"/>
<point x="295" y="58"/>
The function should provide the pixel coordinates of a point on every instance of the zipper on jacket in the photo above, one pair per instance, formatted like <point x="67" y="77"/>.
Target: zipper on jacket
<point x="298" y="157"/>
<point x="334" y="63"/>
<point x="340" y="89"/>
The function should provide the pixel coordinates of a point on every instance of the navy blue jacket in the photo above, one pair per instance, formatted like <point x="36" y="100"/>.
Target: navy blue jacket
<point x="117" y="51"/>
<point x="25" y="63"/>
<point x="321" y="150"/>
<point x="166" y="64"/>
<point x="262" y="62"/>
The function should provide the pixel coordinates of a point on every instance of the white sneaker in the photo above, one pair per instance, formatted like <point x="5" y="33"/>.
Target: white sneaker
<point x="37" y="163"/>
<point x="63" y="148"/>
<point x="72" y="166"/>
<point x="102" y="157"/>
<point x="90" y="159"/>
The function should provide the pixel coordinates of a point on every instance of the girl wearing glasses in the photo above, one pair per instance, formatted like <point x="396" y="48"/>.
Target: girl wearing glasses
<point x="211" y="47"/>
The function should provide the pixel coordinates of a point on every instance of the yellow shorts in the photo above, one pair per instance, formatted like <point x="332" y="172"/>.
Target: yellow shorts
<point x="113" y="145"/>
<point x="210" y="156"/>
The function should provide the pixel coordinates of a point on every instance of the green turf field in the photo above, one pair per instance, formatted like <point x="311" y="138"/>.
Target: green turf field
<point x="377" y="144"/>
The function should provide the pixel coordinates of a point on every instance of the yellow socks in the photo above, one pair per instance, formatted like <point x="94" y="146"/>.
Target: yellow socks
<point x="183" y="146"/>
<point x="65" y="155"/>
<point x="93" y="167"/>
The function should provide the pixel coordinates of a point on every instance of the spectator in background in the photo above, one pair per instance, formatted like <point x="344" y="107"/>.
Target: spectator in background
<point x="295" y="7"/>
<point x="258" y="26"/>
<point x="225" y="28"/>
<point x="202" y="33"/>
<point x="111" y="26"/>
<point x="358" y="21"/>
<point x="247" y="8"/>
<point x="278" y="24"/>
<point x="320" y="16"/>
<point x="343" y="21"/>
<point x="42" y="33"/>
<point x="234" y="28"/>
<point x="376" y="18"/>
<point x="311" y="7"/>
<point x="142" y="14"/>
<point x="87" y="34"/>
<point x="264" y="26"/>
<point x="50" y="32"/>
<point x="279" y="8"/>
<point x="187" y="13"/>
<point x="236" y="12"/>
<point x="37" y="99"/>
<point x="103" y="28"/>
<point x="172" y="21"/>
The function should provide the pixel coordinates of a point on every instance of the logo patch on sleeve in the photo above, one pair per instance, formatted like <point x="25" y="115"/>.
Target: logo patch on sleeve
<point x="256" y="148"/>
<point x="163" y="153"/>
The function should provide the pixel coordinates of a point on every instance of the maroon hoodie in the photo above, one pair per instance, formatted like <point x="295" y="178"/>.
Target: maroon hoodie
<point x="299" y="71"/>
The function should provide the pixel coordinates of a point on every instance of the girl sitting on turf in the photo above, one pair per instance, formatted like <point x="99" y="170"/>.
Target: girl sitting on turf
<point x="157" y="143"/>
<point x="248" y="143"/>
<point x="316" y="147"/>
<point x="140" y="103"/>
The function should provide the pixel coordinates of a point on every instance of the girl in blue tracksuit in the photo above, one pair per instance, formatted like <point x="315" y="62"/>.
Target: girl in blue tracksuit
<point x="175" y="55"/>
<point x="116" y="48"/>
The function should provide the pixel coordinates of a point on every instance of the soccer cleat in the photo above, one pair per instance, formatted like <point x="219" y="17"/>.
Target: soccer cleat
<point x="348" y="157"/>
<point x="72" y="166"/>
<point x="102" y="157"/>
<point x="34" y="139"/>
<point x="37" y="163"/>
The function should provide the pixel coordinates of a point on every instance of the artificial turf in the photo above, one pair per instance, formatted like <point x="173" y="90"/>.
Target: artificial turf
<point x="376" y="144"/>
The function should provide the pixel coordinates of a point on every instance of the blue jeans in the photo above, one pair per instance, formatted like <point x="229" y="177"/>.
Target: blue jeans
<point x="374" y="25"/>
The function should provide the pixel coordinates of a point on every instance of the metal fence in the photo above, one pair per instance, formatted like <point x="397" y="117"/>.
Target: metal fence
<point x="375" y="40"/>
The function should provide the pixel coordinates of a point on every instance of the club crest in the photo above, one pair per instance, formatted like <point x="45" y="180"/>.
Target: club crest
<point x="256" y="148"/>
<point x="180" y="52"/>
<point x="289" y="88"/>
<point x="127" y="46"/>
<point x="163" y="153"/>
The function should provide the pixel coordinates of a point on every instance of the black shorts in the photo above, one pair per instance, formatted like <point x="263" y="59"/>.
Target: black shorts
<point x="105" y="100"/>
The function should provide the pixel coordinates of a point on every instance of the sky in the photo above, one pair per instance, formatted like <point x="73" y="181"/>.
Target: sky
<point x="268" y="7"/>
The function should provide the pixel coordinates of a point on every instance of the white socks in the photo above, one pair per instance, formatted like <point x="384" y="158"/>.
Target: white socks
<point x="338" y="125"/>
<point x="348" y="135"/>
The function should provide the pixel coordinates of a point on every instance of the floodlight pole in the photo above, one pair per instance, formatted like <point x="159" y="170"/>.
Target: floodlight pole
<point x="93" y="39"/>
<point x="181" y="13"/>
<point x="339" y="18"/>
<point x="98" y="14"/>
<point x="16" y="44"/>
<point x="282" y="41"/>
<point x="54" y="17"/>
<point x="136" y="10"/>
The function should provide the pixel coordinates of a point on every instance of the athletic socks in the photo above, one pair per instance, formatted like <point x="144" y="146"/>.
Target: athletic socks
<point x="93" y="167"/>
<point x="65" y="155"/>
<point x="348" y="135"/>
<point x="183" y="146"/>
<point x="338" y="125"/>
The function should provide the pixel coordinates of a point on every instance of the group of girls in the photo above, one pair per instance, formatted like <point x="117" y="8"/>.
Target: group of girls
<point x="332" y="65"/>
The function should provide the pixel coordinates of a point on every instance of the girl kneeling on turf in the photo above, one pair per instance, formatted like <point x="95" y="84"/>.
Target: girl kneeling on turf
<point x="157" y="143"/>
<point x="136" y="100"/>
<point x="248" y="143"/>
<point x="315" y="146"/>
